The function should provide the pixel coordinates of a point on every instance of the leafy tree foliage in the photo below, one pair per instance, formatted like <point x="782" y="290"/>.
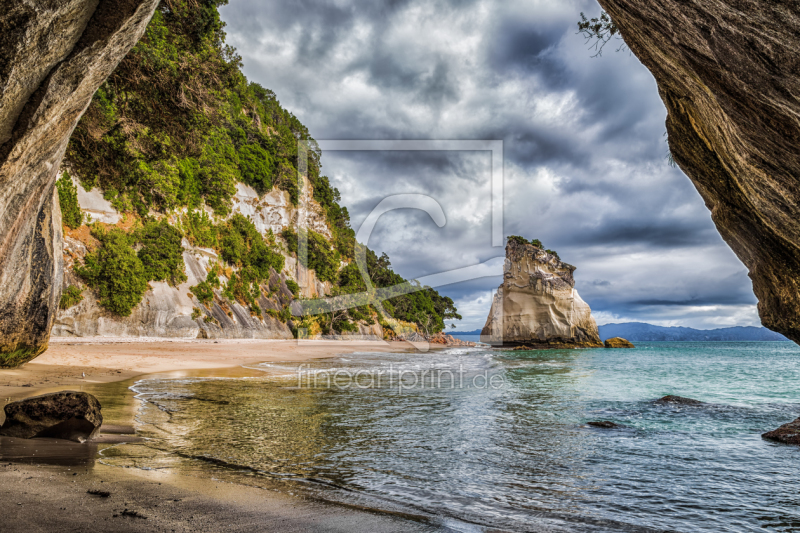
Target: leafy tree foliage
<point x="161" y="253"/>
<point x="200" y="230"/>
<point x="242" y="245"/>
<point x="255" y="166"/>
<point x="115" y="272"/>
<point x="321" y="256"/>
<point x="68" y="198"/>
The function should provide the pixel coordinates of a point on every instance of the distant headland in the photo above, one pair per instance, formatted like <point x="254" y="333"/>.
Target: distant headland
<point x="642" y="332"/>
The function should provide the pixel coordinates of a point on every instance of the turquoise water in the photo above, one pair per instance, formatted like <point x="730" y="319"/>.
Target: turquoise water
<point x="502" y="442"/>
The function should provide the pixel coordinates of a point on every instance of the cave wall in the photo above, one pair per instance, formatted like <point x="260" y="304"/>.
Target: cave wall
<point x="728" y="72"/>
<point x="54" y="54"/>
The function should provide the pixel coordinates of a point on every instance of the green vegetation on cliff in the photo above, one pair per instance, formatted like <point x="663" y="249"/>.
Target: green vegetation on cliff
<point x="115" y="271"/>
<point x="161" y="253"/>
<point x="172" y="131"/>
<point x="120" y="274"/>
<point x="71" y="296"/>
<point x="68" y="198"/>
<point x="178" y="124"/>
<point x="522" y="240"/>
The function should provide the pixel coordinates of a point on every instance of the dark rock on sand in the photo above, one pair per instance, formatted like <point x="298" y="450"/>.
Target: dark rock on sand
<point x="680" y="400"/>
<point x="604" y="424"/>
<point x="618" y="342"/>
<point x="727" y="73"/>
<point x="66" y="415"/>
<point x="787" y="433"/>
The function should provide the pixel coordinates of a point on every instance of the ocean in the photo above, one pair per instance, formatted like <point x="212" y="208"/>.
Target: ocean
<point x="474" y="439"/>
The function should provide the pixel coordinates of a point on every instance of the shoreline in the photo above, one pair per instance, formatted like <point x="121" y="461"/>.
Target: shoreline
<point x="80" y="361"/>
<point x="46" y="481"/>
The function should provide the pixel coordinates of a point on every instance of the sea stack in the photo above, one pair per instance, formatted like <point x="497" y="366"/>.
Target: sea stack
<point x="537" y="304"/>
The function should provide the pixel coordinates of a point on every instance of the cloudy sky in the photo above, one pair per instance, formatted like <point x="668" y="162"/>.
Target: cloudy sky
<point x="584" y="151"/>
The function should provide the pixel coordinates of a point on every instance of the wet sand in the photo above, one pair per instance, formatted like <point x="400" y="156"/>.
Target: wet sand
<point x="71" y="362"/>
<point x="45" y="482"/>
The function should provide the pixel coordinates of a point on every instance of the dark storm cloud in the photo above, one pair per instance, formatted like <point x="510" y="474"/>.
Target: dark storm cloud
<point x="520" y="45"/>
<point x="585" y="167"/>
<point x="635" y="231"/>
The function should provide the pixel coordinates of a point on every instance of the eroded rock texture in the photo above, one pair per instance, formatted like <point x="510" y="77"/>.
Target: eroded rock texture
<point x="728" y="72"/>
<point x="53" y="56"/>
<point x="537" y="304"/>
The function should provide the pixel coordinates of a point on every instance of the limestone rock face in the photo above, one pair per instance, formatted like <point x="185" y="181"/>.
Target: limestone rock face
<point x="537" y="304"/>
<point x="727" y="72"/>
<point x="67" y="415"/>
<point x="174" y="312"/>
<point x="53" y="56"/>
<point x="167" y="311"/>
<point x="618" y="342"/>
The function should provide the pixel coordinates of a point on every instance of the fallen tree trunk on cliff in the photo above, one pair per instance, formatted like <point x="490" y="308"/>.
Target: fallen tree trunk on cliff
<point x="53" y="57"/>
<point x="727" y="71"/>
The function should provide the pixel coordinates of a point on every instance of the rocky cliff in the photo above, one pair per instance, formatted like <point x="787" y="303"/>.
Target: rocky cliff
<point x="537" y="304"/>
<point x="173" y="311"/>
<point x="53" y="56"/>
<point x="728" y="73"/>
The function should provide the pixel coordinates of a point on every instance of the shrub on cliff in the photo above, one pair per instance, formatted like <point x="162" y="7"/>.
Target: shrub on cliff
<point x="115" y="272"/>
<point x="522" y="240"/>
<point x="200" y="230"/>
<point x="161" y="252"/>
<point x="242" y="245"/>
<point x="68" y="198"/>
<point x="294" y="287"/>
<point x="203" y="292"/>
<point x="255" y="166"/>
<point x="70" y="297"/>
<point x="321" y="256"/>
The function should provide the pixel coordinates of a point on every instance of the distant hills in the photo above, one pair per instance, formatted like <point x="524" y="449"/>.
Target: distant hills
<point x="639" y="331"/>
<point x="476" y="332"/>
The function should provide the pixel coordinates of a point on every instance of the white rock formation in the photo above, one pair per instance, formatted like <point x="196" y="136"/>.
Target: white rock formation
<point x="274" y="211"/>
<point x="537" y="304"/>
<point x="94" y="207"/>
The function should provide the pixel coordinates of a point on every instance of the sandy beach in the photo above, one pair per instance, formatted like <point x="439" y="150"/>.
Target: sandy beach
<point x="80" y="361"/>
<point x="46" y="482"/>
